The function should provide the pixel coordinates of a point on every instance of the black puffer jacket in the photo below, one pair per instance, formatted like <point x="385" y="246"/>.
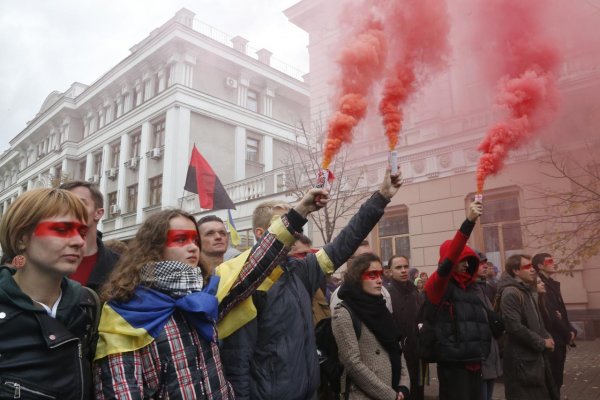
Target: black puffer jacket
<point x="42" y="357"/>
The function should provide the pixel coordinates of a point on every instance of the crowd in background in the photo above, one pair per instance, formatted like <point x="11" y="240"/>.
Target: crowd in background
<point x="176" y="313"/>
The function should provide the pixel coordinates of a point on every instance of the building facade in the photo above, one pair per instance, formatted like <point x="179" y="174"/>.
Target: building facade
<point x="438" y="156"/>
<point x="132" y="130"/>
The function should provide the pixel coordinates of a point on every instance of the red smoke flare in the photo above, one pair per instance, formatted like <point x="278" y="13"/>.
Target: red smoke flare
<point x="527" y="89"/>
<point x="362" y="62"/>
<point x="418" y="30"/>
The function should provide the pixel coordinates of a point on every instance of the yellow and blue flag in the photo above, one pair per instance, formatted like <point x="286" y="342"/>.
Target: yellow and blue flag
<point x="235" y="237"/>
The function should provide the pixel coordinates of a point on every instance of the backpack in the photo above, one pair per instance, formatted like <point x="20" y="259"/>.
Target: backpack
<point x="331" y="367"/>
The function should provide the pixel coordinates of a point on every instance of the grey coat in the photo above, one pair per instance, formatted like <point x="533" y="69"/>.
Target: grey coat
<point x="527" y="372"/>
<point x="365" y="360"/>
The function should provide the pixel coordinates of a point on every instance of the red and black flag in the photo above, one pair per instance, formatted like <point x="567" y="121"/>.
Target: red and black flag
<point x="202" y="180"/>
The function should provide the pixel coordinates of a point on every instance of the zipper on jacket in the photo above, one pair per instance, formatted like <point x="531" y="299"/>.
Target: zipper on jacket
<point x="79" y="357"/>
<point x="18" y="388"/>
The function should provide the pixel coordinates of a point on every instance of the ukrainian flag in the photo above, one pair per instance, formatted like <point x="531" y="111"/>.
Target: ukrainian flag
<point x="235" y="237"/>
<point x="135" y="324"/>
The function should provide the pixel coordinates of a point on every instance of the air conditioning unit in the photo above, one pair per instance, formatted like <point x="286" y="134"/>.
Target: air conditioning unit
<point x="155" y="153"/>
<point x="94" y="179"/>
<point x="231" y="82"/>
<point x="132" y="163"/>
<point x="114" y="209"/>
<point x="112" y="173"/>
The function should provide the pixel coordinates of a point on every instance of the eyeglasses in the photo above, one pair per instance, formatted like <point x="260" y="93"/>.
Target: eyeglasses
<point x="372" y="275"/>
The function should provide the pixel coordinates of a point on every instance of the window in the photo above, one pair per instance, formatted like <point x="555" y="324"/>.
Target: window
<point x="158" y="133"/>
<point x="112" y="201"/>
<point x="252" y="101"/>
<point x="136" y="142"/>
<point x="97" y="164"/>
<point x="500" y="232"/>
<point x="115" y="150"/>
<point x="132" y="195"/>
<point x="394" y="234"/>
<point x="252" y="149"/>
<point x="155" y="193"/>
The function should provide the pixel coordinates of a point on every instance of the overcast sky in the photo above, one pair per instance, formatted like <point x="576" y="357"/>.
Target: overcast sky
<point x="47" y="45"/>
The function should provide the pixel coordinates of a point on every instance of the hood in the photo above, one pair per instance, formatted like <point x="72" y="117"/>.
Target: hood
<point x="10" y="293"/>
<point x="506" y="280"/>
<point x="467" y="254"/>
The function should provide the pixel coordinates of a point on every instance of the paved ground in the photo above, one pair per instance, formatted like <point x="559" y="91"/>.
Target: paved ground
<point x="582" y="375"/>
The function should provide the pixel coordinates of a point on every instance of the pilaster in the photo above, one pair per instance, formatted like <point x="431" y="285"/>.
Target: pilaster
<point x="240" y="153"/>
<point x="176" y="156"/>
<point x="143" y="173"/>
<point x="268" y="153"/>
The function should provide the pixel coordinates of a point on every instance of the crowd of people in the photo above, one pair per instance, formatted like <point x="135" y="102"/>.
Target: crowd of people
<point x="177" y="314"/>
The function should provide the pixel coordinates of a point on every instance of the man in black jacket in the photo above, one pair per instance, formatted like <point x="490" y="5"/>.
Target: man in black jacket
<point x="98" y="261"/>
<point x="274" y="356"/>
<point x="561" y="329"/>
<point x="406" y="303"/>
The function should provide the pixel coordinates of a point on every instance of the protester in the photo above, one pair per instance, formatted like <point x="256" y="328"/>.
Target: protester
<point x="557" y="320"/>
<point x="116" y="246"/>
<point x="482" y="274"/>
<point x="413" y="274"/>
<point x="372" y="362"/>
<point x="46" y="320"/>
<point x="527" y="373"/>
<point x="98" y="261"/>
<point x="406" y="303"/>
<point x="419" y="285"/>
<point x="423" y="275"/>
<point x="320" y="305"/>
<point x="273" y="355"/>
<point x="461" y="325"/>
<point x="213" y="243"/>
<point x="491" y="368"/>
<point x="158" y="335"/>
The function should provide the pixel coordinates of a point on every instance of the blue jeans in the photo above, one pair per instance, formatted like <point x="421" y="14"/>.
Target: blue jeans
<point x="487" y="389"/>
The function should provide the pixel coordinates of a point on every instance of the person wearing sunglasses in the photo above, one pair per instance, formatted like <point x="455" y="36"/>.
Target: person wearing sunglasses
<point x="557" y="323"/>
<point x="372" y="360"/>
<point x="527" y="373"/>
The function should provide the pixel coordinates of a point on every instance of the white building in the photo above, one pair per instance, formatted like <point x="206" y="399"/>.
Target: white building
<point x="132" y="130"/>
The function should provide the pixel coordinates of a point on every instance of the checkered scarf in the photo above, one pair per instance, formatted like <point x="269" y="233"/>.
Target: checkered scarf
<point x="174" y="278"/>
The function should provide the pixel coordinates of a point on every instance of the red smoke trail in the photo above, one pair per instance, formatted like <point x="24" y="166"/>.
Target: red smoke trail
<point x="362" y="62"/>
<point x="527" y="87"/>
<point x="419" y="31"/>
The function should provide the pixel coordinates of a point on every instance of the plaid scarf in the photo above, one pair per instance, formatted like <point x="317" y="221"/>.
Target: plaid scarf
<point x="174" y="278"/>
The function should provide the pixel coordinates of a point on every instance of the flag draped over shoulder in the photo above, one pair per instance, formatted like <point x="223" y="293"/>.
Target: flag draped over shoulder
<point x="202" y="180"/>
<point x="235" y="237"/>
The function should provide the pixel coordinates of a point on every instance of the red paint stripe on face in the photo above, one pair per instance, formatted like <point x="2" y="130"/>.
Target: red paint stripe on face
<point x="61" y="229"/>
<point x="181" y="238"/>
<point x="371" y="275"/>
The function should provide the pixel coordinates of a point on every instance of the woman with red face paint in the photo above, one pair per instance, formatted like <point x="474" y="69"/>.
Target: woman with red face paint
<point x="371" y="355"/>
<point x="47" y="322"/>
<point x="158" y="336"/>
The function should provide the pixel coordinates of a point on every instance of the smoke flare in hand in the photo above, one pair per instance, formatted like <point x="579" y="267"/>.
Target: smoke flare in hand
<point x="362" y="62"/>
<point x="419" y="33"/>
<point x="527" y="87"/>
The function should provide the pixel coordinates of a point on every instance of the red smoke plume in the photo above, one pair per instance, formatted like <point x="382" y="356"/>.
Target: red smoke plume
<point x="525" y="60"/>
<point x="362" y="62"/>
<point x="419" y="31"/>
<point x="415" y="32"/>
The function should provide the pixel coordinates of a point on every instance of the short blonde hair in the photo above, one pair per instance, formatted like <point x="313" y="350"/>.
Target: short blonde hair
<point x="29" y="209"/>
<point x="263" y="213"/>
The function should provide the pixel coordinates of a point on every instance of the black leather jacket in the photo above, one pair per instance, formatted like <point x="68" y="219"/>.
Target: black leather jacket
<point x="43" y="357"/>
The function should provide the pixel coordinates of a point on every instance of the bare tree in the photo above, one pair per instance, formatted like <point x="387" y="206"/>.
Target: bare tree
<point x="567" y="220"/>
<point x="348" y="189"/>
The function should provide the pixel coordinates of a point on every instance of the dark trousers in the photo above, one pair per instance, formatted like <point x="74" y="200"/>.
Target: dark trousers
<point x="417" y="389"/>
<point x="557" y="364"/>
<point x="458" y="383"/>
<point x="487" y="389"/>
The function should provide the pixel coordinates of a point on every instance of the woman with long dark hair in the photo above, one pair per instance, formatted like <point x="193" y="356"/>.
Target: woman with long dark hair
<point x="158" y="336"/>
<point x="372" y="357"/>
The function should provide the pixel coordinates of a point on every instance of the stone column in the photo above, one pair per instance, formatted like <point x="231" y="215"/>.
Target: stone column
<point x="240" y="153"/>
<point x="176" y="155"/>
<point x="143" y="173"/>
<point x="121" y="183"/>
<point x="268" y="153"/>
<point x="89" y="166"/>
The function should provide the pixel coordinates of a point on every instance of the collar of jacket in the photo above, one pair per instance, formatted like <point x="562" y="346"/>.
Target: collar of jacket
<point x="10" y="293"/>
